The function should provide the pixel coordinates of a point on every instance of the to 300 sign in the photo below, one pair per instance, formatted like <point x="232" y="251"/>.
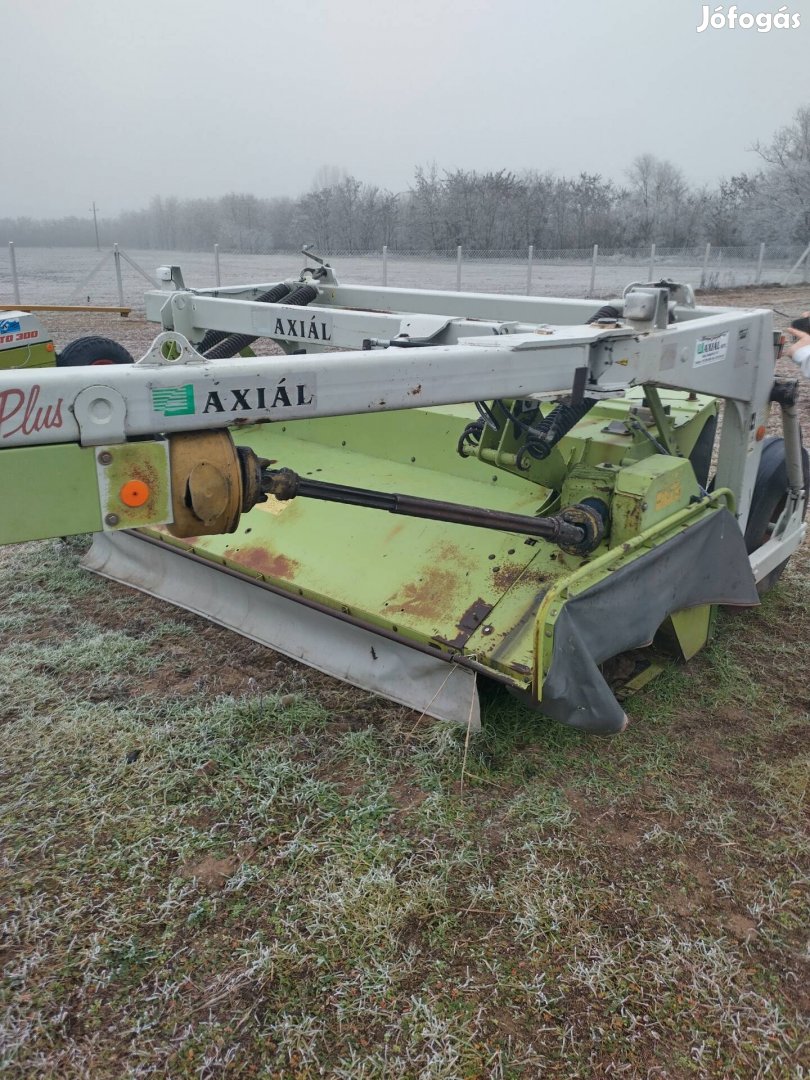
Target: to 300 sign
<point x="24" y="335"/>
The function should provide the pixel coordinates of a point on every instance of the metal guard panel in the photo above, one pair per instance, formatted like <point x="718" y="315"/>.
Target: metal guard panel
<point x="345" y="651"/>
<point x="705" y="564"/>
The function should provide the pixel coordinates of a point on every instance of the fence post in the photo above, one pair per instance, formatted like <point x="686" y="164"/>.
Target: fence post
<point x="705" y="271"/>
<point x="593" y="269"/>
<point x="796" y="265"/>
<point x="458" y="268"/>
<point x="117" y="258"/>
<point x="217" y="275"/>
<point x="652" y="262"/>
<point x="759" y="263"/>
<point x="15" y="281"/>
<point x="529" y="270"/>
<point x="385" y="265"/>
<point x="139" y="269"/>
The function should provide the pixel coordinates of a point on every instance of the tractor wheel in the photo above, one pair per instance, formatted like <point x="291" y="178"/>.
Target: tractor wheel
<point x="768" y="501"/>
<point x="93" y="351"/>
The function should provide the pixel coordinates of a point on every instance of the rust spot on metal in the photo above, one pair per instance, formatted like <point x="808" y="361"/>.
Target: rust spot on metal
<point x="145" y="472"/>
<point x="634" y="516"/>
<point x="467" y="624"/>
<point x="429" y="596"/>
<point x="439" y="592"/>
<point x="474" y="615"/>
<point x="266" y="562"/>
<point x="538" y="579"/>
<point x="504" y="577"/>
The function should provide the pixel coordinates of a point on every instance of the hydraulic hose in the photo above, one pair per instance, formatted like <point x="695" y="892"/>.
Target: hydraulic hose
<point x="234" y="343"/>
<point x="544" y="436"/>
<point x="213" y="337"/>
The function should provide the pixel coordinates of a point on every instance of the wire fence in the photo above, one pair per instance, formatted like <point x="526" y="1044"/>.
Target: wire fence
<point x="82" y="276"/>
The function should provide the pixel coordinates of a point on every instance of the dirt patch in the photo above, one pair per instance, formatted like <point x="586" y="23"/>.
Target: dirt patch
<point x="406" y="794"/>
<point x="210" y="872"/>
<point x="740" y="926"/>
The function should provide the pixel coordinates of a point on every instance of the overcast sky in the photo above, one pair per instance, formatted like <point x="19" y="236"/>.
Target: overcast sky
<point x="119" y="100"/>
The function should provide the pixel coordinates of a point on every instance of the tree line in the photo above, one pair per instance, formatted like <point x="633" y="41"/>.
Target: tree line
<point x="487" y="211"/>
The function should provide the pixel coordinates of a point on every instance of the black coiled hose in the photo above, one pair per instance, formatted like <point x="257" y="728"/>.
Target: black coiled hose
<point x="234" y="343"/>
<point x="606" y="313"/>
<point x="213" y="337"/>
<point x="540" y="438"/>
<point x="302" y="296"/>
<point x="545" y="435"/>
<point x="470" y="438"/>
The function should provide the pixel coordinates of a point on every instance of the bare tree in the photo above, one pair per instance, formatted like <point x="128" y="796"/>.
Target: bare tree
<point x="487" y="211"/>
<point x="727" y="211"/>
<point x="427" y="198"/>
<point x="661" y="206"/>
<point x="786" y="180"/>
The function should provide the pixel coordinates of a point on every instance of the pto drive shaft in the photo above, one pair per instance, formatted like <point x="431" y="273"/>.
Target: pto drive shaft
<point x="577" y="529"/>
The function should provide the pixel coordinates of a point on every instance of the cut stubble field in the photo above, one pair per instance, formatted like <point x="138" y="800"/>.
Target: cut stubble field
<point x="217" y="862"/>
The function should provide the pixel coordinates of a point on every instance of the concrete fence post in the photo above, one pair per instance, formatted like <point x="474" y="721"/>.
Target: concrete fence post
<point x="704" y="273"/>
<point x="385" y="265"/>
<point x="15" y="281"/>
<point x="217" y="275"/>
<point x="594" y="257"/>
<point x="760" y="260"/>
<point x="796" y="265"/>
<point x="529" y="270"/>
<point x="458" y="268"/>
<point x="652" y="262"/>
<point x="139" y="270"/>
<point x="118" y="278"/>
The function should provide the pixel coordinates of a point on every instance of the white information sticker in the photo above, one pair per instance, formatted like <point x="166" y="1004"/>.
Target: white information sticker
<point x="711" y="350"/>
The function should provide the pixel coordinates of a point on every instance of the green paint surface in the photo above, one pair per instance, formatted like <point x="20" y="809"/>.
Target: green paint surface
<point x="48" y="491"/>
<point x="28" y="356"/>
<point x="449" y="586"/>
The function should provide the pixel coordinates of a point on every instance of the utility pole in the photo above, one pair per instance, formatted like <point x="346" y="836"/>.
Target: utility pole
<point x="95" y="224"/>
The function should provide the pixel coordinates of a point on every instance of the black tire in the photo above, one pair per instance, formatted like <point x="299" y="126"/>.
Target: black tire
<point x="93" y="350"/>
<point x="768" y="501"/>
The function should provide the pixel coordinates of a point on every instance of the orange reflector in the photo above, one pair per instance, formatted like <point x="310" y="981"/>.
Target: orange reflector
<point x="761" y="432"/>
<point x="49" y="346"/>
<point x="134" y="493"/>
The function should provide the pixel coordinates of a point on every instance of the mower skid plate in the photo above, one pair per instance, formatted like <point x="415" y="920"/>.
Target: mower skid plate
<point x="426" y="683"/>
